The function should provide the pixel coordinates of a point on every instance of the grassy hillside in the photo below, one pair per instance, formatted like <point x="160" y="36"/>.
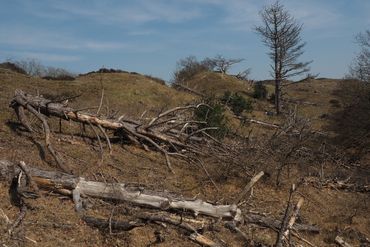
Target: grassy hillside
<point x="129" y="93"/>
<point x="212" y="83"/>
<point x="53" y="221"/>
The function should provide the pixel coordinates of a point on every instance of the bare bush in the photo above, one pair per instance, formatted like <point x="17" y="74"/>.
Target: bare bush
<point x="351" y="123"/>
<point x="360" y="68"/>
<point x="220" y="63"/>
<point x="187" y="68"/>
<point x="34" y="67"/>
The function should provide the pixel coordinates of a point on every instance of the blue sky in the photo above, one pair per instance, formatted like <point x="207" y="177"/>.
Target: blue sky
<point x="149" y="36"/>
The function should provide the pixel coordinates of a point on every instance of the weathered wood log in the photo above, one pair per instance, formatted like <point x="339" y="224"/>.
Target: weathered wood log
<point x="270" y="125"/>
<point x="339" y="240"/>
<point x="284" y="223"/>
<point x="249" y="186"/>
<point x="57" y="181"/>
<point x="292" y="219"/>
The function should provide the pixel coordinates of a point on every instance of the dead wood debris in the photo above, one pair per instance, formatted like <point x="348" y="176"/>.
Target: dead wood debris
<point x="56" y="181"/>
<point x="336" y="184"/>
<point x="339" y="240"/>
<point x="173" y="132"/>
<point x="249" y="186"/>
<point x="167" y="203"/>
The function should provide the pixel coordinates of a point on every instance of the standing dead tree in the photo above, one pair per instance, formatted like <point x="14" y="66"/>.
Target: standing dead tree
<point x="280" y="32"/>
<point x="173" y="132"/>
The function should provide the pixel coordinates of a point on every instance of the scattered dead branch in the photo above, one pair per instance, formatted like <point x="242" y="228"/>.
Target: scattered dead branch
<point x="275" y="224"/>
<point x="337" y="184"/>
<point x="173" y="132"/>
<point x="194" y="235"/>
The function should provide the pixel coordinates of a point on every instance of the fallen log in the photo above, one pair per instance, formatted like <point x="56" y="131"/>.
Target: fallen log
<point x="339" y="240"/>
<point x="285" y="235"/>
<point x="78" y="186"/>
<point x="172" y="132"/>
<point x="249" y="187"/>
<point x="275" y="126"/>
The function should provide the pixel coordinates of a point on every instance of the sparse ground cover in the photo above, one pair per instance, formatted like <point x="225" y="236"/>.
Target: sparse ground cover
<point x="51" y="220"/>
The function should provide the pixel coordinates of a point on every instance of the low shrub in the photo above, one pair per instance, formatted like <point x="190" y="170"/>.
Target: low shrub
<point x="237" y="103"/>
<point x="260" y="91"/>
<point x="214" y="116"/>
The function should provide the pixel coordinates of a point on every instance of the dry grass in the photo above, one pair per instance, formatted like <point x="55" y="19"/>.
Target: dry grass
<point x="216" y="84"/>
<point x="53" y="222"/>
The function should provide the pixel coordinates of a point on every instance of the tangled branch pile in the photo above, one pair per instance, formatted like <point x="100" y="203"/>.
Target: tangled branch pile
<point x="173" y="132"/>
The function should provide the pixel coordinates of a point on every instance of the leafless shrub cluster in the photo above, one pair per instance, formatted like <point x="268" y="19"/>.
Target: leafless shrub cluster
<point x="33" y="67"/>
<point x="360" y="68"/>
<point x="188" y="67"/>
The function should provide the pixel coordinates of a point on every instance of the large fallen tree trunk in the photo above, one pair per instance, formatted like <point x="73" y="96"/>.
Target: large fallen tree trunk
<point x="173" y="132"/>
<point x="78" y="186"/>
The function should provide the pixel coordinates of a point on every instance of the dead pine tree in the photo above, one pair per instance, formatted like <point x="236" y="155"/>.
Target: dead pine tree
<point x="280" y="32"/>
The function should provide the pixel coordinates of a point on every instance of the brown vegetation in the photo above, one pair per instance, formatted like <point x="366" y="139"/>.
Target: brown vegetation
<point x="296" y="150"/>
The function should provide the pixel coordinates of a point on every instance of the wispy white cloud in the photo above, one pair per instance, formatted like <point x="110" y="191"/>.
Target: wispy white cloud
<point x="41" y="38"/>
<point x="43" y="56"/>
<point x="114" y="12"/>
<point x="244" y="14"/>
<point x="314" y="15"/>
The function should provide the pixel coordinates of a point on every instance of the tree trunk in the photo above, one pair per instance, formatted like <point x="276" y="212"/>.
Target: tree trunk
<point x="277" y="96"/>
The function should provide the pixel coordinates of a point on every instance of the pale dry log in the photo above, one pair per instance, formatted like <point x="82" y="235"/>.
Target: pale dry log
<point x="339" y="240"/>
<point x="284" y="223"/>
<point x="249" y="186"/>
<point x="275" y="126"/>
<point x="120" y="192"/>
<point x="293" y="217"/>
